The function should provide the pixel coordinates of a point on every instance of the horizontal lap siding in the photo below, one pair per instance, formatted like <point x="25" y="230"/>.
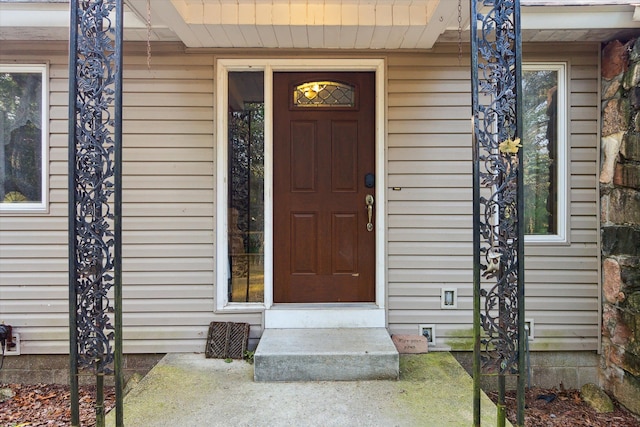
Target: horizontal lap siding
<point x="168" y="212"/>
<point x="430" y="211"/>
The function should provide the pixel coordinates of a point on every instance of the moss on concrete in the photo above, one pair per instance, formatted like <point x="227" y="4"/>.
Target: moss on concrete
<point x="435" y="385"/>
<point x="433" y="389"/>
<point x="152" y="400"/>
<point x="460" y="340"/>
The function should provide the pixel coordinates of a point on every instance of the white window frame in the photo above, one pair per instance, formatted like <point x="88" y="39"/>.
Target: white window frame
<point x="222" y="197"/>
<point x="43" y="205"/>
<point x="269" y="66"/>
<point x="562" y="157"/>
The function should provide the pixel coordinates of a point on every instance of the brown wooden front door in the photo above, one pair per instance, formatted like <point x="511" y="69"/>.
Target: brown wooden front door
<point x="323" y="250"/>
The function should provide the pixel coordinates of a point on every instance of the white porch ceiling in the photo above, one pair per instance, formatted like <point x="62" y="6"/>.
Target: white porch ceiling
<point x="328" y="24"/>
<point x="49" y="20"/>
<point x="323" y="24"/>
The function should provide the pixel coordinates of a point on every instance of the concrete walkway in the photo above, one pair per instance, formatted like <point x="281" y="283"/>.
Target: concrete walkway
<point x="189" y="390"/>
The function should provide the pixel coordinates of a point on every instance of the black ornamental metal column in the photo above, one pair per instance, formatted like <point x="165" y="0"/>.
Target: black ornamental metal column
<point x="95" y="153"/>
<point x="498" y="238"/>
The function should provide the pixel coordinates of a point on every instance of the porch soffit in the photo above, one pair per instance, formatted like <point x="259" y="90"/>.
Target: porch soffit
<point x="325" y="24"/>
<point x="328" y="24"/>
<point x="376" y="24"/>
<point x="49" y="20"/>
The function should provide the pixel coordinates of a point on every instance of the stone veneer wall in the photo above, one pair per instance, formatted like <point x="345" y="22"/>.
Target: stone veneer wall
<point x="620" y="221"/>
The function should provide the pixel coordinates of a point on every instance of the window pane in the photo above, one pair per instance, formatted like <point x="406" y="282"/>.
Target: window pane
<point x="246" y="187"/>
<point x="540" y="144"/>
<point x="323" y="94"/>
<point x="20" y="137"/>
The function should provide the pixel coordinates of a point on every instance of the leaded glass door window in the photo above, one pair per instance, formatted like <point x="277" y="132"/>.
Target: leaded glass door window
<point x="324" y="94"/>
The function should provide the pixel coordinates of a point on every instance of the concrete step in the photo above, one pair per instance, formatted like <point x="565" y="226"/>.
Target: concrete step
<point x="340" y="354"/>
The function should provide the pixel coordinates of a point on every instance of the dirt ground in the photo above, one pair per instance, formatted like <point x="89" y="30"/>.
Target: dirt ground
<point x="553" y="407"/>
<point x="48" y="405"/>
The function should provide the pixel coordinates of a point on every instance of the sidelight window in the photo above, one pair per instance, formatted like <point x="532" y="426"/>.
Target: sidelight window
<point x="23" y="135"/>
<point x="545" y="147"/>
<point x="245" y="200"/>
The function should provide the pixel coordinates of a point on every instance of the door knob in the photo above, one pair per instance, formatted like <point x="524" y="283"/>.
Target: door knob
<point x="368" y="201"/>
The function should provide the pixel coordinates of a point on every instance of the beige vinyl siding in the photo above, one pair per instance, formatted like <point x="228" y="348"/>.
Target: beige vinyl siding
<point x="430" y="209"/>
<point x="168" y="210"/>
<point x="169" y="206"/>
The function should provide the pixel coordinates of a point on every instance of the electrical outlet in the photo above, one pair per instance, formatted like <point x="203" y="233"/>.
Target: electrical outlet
<point x="15" y="350"/>
<point x="529" y="328"/>
<point x="429" y="332"/>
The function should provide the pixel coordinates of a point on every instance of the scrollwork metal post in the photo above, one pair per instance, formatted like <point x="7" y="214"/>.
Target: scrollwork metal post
<point x="498" y="238"/>
<point x="95" y="159"/>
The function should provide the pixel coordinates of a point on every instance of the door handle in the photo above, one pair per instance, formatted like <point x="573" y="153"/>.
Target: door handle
<point x="368" y="201"/>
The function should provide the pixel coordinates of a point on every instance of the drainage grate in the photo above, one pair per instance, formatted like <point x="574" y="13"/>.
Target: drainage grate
<point x="227" y="340"/>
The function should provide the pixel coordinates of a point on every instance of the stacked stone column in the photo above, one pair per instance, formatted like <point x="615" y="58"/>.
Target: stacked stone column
<point x="620" y="221"/>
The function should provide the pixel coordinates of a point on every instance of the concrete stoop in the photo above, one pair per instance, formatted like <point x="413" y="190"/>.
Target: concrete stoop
<point x="340" y="354"/>
<point x="190" y="390"/>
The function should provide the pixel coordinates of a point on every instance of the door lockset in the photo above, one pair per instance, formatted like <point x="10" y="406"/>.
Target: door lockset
<point x="368" y="201"/>
<point x="369" y="180"/>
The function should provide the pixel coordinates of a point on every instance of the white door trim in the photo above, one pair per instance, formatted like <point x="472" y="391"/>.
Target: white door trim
<point x="369" y="315"/>
<point x="299" y="316"/>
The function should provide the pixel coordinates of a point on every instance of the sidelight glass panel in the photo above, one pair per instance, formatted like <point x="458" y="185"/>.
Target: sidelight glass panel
<point x="542" y="140"/>
<point x="23" y="148"/>
<point x="246" y="187"/>
<point x="324" y="94"/>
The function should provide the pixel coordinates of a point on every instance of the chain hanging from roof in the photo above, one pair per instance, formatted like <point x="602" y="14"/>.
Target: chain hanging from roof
<point x="95" y="134"/>
<point x="459" y="32"/>
<point x="148" y="34"/>
<point x="498" y="225"/>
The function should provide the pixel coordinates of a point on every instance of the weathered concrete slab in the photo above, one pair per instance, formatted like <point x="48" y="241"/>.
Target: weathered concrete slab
<point x="345" y="354"/>
<point x="190" y="390"/>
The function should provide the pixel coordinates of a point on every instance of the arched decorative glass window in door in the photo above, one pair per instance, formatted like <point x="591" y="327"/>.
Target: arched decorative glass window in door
<point x="324" y="94"/>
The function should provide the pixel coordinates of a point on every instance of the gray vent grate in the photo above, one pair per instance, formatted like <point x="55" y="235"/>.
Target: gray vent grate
<point x="227" y="340"/>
